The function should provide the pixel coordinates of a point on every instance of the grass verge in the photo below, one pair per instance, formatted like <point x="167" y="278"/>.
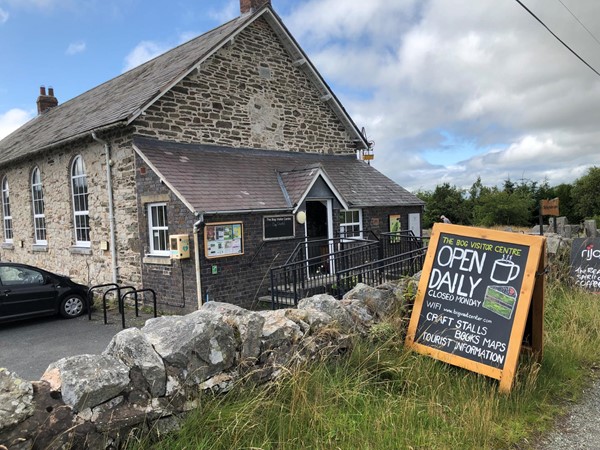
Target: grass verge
<point x="381" y="396"/>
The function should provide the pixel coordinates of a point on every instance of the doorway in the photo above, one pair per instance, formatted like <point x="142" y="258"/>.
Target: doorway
<point x="319" y="228"/>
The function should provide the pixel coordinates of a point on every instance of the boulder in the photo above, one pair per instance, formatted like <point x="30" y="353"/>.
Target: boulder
<point x="200" y="344"/>
<point x="379" y="301"/>
<point x="131" y="347"/>
<point x="86" y="381"/>
<point x="330" y="306"/>
<point x="248" y="324"/>
<point x="16" y="399"/>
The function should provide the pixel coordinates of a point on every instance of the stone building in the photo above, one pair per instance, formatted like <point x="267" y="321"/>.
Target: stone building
<point x="225" y="141"/>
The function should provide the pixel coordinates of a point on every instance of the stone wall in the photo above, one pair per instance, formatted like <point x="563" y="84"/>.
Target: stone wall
<point x="147" y="378"/>
<point x="249" y="94"/>
<point x="87" y="265"/>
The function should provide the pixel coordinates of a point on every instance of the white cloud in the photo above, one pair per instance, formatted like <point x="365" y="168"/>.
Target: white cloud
<point x="13" y="119"/>
<point x="147" y="50"/>
<point x="144" y="51"/>
<point x="230" y="11"/>
<point x="485" y="72"/>
<point x="3" y="16"/>
<point x="75" y="47"/>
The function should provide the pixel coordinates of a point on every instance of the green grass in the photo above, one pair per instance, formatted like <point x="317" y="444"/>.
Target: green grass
<point x="380" y="396"/>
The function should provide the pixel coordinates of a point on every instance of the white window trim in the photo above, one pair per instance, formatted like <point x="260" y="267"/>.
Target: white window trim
<point x="76" y="213"/>
<point x="348" y="224"/>
<point x="6" y="218"/>
<point x="152" y="228"/>
<point x="37" y="216"/>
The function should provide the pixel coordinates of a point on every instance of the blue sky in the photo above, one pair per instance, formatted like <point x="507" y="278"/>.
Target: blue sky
<point x="448" y="89"/>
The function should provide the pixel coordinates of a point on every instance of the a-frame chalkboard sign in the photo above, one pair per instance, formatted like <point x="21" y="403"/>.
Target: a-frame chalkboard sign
<point x="481" y="293"/>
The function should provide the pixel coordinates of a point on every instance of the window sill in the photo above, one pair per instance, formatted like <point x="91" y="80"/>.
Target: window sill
<point x="159" y="260"/>
<point x="39" y="248"/>
<point x="80" y="251"/>
<point x="7" y="246"/>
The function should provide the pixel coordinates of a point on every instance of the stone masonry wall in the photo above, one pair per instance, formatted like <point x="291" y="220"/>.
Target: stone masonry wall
<point x="86" y="265"/>
<point x="248" y="94"/>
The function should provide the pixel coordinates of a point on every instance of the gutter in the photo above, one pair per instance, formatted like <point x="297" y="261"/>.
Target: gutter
<point x="111" y="209"/>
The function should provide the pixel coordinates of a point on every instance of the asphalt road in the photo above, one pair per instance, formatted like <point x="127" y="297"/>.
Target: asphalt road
<point x="28" y="347"/>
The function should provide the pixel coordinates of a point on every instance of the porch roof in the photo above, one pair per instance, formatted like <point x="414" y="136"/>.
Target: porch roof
<point x="215" y="179"/>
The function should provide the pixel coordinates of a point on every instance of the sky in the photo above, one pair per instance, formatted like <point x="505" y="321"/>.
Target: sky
<point x="448" y="90"/>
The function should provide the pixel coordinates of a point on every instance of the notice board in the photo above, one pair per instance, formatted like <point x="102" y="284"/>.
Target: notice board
<point x="474" y="299"/>
<point x="223" y="239"/>
<point x="585" y="263"/>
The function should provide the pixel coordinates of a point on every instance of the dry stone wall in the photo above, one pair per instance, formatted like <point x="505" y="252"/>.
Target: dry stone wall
<point x="147" y="378"/>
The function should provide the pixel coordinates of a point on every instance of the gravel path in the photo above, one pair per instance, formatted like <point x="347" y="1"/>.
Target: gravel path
<point x="580" y="429"/>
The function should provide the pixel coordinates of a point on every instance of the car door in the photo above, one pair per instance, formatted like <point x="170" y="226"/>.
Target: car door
<point x="25" y="291"/>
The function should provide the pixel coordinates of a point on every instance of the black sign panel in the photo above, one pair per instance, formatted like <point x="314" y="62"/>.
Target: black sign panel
<point x="278" y="227"/>
<point x="585" y="263"/>
<point x="471" y="296"/>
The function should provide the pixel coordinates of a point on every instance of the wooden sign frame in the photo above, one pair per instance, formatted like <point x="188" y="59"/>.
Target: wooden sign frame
<point x="528" y="300"/>
<point x="223" y="239"/>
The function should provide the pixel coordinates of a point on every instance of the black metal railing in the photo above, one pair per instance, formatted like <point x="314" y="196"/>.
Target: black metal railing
<point x="336" y="265"/>
<point x="377" y="272"/>
<point x="315" y="274"/>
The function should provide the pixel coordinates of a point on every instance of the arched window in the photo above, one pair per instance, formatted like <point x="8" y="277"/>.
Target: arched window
<point x="37" y="199"/>
<point x="81" y="217"/>
<point x="7" y="217"/>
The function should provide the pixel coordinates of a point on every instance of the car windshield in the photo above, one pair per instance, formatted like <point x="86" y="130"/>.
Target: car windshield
<point x="20" y="275"/>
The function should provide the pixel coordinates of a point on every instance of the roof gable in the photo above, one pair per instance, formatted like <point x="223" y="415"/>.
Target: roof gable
<point x="298" y="183"/>
<point x="121" y="100"/>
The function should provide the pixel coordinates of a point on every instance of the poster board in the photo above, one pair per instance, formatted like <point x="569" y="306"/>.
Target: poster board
<point x="278" y="227"/>
<point x="585" y="263"/>
<point x="476" y="291"/>
<point x="223" y="239"/>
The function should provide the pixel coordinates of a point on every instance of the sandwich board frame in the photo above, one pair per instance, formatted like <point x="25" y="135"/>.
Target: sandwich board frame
<point x="481" y="293"/>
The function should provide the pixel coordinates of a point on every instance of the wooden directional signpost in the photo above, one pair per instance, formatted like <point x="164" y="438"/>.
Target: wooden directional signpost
<point x="480" y="299"/>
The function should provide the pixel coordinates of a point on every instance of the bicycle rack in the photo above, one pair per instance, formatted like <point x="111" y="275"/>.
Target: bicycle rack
<point x="89" y="297"/>
<point x="121" y="308"/>
<point x="135" y="293"/>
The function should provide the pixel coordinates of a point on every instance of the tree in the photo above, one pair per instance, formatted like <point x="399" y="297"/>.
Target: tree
<point x="586" y="201"/>
<point x="445" y="200"/>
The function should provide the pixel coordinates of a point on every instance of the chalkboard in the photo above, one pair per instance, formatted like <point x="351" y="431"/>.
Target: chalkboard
<point x="585" y="263"/>
<point x="474" y="297"/>
<point x="278" y="227"/>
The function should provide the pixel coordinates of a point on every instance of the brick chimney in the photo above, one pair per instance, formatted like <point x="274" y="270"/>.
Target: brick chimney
<point x="45" y="102"/>
<point x="252" y="5"/>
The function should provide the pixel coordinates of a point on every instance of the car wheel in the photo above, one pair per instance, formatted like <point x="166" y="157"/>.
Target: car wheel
<point x="71" y="306"/>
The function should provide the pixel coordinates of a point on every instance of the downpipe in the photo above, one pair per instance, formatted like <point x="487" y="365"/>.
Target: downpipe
<point x="198" y="227"/>
<point x="111" y="210"/>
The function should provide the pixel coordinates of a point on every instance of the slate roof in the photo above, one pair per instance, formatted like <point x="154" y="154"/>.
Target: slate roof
<point x="114" y="101"/>
<point x="211" y="179"/>
<point x="119" y="101"/>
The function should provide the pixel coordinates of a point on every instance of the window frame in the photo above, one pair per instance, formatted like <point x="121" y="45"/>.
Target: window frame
<point x="346" y="224"/>
<point x="80" y="199"/>
<point x="6" y="214"/>
<point x="37" y="203"/>
<point x="153" y="227"/>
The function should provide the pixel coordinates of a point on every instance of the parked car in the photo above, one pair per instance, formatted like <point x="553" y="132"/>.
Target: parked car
<point x="27" y="291"/>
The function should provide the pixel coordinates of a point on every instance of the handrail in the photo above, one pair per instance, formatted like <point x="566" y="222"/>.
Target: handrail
<point x="321" y="272"/>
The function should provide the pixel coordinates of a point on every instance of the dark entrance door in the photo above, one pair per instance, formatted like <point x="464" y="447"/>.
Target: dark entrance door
<point x="317" y="231"/>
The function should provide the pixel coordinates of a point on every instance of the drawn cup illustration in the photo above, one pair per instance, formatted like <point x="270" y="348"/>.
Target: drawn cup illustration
<point x="504" y="271"/>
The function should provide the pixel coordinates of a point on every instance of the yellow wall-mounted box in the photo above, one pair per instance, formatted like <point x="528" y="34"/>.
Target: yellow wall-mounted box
<point x="180" y="246"/>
